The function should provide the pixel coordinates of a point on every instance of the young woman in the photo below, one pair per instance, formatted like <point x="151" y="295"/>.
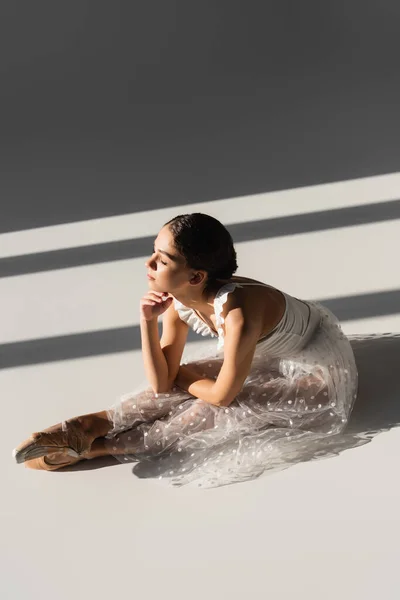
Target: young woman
<point x="282" y="375"/>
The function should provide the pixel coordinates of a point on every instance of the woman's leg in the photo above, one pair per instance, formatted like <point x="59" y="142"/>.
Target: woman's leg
<point x="75" y="436"/>
<point x="93" y="424"/>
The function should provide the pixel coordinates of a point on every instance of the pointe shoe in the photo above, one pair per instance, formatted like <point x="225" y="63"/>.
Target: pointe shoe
<point x="42" y="465"/>
<point x="70" y="439"/>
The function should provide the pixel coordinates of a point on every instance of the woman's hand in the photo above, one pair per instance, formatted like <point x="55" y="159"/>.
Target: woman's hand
<point x="154" y="304"/>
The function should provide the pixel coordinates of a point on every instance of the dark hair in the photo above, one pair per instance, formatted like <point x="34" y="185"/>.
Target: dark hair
<point x="205" y="244"/>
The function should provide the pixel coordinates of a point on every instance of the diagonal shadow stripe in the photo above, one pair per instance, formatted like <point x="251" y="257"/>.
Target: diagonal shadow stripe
<point x="124" y="339"/>
<point x="241" y="232"/>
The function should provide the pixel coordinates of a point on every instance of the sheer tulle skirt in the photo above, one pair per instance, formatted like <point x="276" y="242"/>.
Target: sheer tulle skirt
<point x="286" y="406"/>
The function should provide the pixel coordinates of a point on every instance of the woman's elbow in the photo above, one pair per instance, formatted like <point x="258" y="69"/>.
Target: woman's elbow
<point x="224" y="400"/>
<point x="163" y="388"/>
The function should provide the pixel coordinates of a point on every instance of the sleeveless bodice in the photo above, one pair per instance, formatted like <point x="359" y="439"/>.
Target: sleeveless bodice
<point x="290" y="335"/>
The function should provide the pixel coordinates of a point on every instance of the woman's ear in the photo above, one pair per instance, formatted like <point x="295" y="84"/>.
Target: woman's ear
<point x="197" y="278"/>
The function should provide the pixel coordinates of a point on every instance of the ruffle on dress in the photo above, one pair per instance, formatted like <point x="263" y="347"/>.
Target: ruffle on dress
<point x="189" y="316"/>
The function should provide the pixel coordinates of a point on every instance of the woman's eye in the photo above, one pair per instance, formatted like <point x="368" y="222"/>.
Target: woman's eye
<point x="161" y="261"/>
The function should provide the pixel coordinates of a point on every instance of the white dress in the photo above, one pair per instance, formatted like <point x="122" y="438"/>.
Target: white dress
<point x="299" y="392"/>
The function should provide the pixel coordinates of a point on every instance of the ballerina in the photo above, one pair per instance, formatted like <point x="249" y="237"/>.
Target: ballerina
<point x="282" y="373"/>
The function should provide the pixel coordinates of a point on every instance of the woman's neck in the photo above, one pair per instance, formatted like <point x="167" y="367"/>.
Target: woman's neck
<point x="203" y="302"/>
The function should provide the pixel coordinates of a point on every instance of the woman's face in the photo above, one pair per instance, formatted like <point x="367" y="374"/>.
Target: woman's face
<point x="166" y="267"/>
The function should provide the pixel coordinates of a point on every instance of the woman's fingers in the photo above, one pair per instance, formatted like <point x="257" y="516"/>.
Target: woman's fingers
<point x="149" y="300"/>
<point x="156" y="296"/>
<point x="156" y="303"/>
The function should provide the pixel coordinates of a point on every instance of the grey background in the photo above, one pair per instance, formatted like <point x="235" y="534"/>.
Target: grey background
<point x="114" y="107"/>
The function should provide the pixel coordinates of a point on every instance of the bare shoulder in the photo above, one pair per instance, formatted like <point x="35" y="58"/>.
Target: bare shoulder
<point x="258" y="307"/>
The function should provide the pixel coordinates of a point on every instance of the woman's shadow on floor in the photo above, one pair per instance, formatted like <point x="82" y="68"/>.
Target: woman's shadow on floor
<point x="376" y="409"/>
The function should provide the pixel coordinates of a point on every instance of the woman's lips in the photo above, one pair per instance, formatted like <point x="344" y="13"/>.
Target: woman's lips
<point x="150" y="277"/>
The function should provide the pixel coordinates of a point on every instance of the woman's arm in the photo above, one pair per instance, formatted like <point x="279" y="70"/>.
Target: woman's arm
<point x="195" y="384"/>
<point x="239" y="347"/>
<point x="155" y="363"/>
<point x="161" y="357"/>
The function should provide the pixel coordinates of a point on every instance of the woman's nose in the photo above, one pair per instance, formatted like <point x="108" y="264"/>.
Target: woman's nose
<point x="149" y="263"/>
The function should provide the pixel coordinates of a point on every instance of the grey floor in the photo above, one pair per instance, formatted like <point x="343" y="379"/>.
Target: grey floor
<point x="324" y="528"/>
